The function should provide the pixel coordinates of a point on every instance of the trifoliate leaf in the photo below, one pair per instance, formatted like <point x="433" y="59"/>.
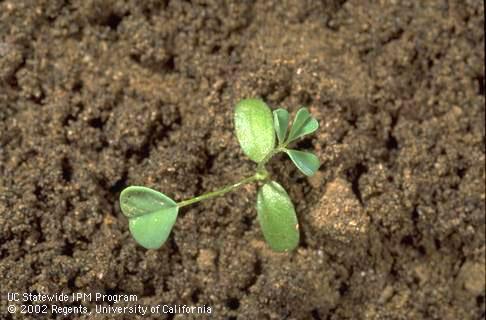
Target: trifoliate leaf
<point x="303" y="124"/>
<point x="254" y="128"/>
<point x="307" y="162"/>
<point x="277" y="218"/>
<point x="151" y="215"/>
<point x="281" y="123"/>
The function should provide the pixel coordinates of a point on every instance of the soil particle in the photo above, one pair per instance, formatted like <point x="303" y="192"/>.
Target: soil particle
<point x="206" y="259"/>
<point x="472" y="277"/>
<point x="339" y="214"/>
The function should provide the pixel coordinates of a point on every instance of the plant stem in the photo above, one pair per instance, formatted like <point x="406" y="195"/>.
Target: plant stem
<point x="279" y="148"/>
<point x="260" y="175"/>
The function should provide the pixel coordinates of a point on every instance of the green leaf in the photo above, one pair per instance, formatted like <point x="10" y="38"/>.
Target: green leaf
<point x="151" y="215"/>
<point x="277" y="218"/>
<point x="152" y="230"/>
<point x="281" y="123"/>
<point x="254" y="128"/>
<point x="303" y="124"/>
<point x="307" y="162"/>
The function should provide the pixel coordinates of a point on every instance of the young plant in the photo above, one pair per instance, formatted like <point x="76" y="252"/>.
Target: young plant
<point x="151" y="214"/>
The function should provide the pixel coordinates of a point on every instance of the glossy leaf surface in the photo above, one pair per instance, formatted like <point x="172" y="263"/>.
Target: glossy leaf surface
<point x="277" y="218"/>
<point x="281" y="123"/>
<point x="151" y="215"/>
<point x="306" y="162"/>
<point x="303" y="124"/>
<point x="254" y="128"/>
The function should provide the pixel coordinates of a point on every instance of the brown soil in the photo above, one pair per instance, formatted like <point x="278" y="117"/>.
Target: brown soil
<point x="99" y="95"/>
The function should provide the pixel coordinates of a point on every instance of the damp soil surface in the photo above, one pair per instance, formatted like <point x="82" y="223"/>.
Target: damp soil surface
<point x="99" y="95"/>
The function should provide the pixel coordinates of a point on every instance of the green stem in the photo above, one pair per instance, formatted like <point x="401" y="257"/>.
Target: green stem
<point x="260" y="175"/>
<point x="279" y="148"/>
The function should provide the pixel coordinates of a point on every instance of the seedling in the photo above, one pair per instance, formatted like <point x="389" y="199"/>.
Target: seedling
<point x="151" y="214"/>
